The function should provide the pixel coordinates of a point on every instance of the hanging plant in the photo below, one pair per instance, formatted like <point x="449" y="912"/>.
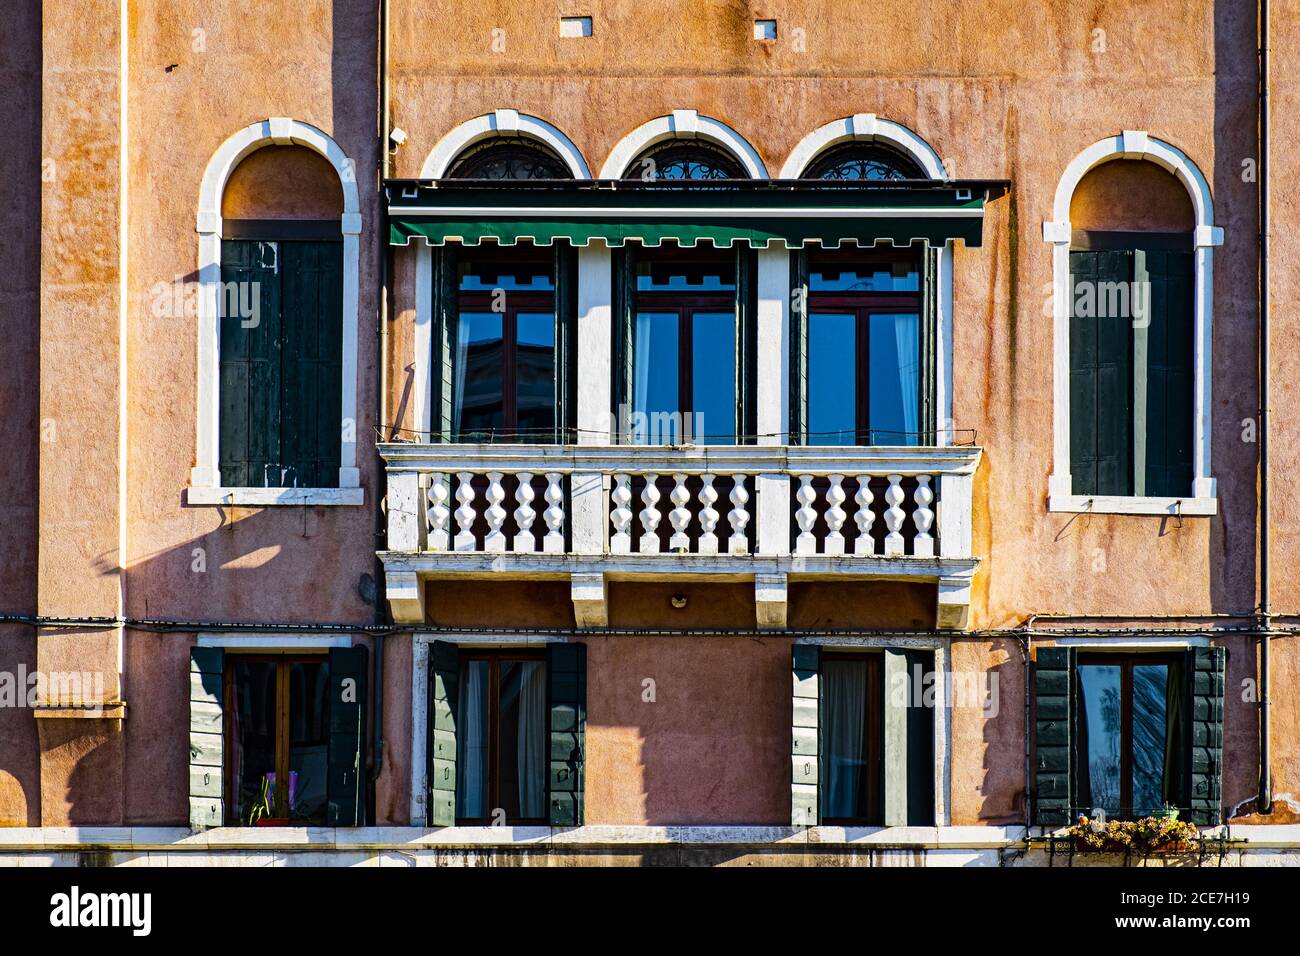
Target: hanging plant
<point x="1163" y="834"/>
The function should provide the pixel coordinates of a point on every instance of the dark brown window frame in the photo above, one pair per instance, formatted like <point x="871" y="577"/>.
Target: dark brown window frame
<point x="495" y="657"/>
<point x="1126" y="663"/>
<point x="863" y="305"/>
<point x="873" y="731"/>
<point x="284" y="665"/>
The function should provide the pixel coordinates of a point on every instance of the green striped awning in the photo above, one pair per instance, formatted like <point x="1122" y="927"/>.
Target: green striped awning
<point x="760" y="213"/>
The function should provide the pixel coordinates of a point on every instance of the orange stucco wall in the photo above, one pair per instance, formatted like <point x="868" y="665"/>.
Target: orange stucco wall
<point x="997" y="93"/>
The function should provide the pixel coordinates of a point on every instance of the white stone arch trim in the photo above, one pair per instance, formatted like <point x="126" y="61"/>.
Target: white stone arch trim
<point x="1135" y="145"/>
<point x="682" y="124"/>
<point x="205" y="477"/>
<point x="862" y="128"/>
<point x="869" y="128"/>
<point x="502" y="122"/>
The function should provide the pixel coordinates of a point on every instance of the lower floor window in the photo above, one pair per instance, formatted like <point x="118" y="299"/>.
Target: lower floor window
<point x="1131" y="728"/>
<point x="501" y="751"/>
<point x="853" y="738"/>
<point x="278" y="758"/>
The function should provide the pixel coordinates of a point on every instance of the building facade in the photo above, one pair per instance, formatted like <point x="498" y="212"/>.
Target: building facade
<point x="705" y="432"/>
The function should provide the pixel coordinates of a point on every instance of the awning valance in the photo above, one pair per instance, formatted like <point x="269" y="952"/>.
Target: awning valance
<point x="757" y="212"/>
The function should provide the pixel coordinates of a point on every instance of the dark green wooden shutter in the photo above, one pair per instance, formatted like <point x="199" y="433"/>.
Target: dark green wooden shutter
<point x="1054" y="696"/>
<point x="1170" y="388"/>
<point x="207" y="699"/>
<point x="920" y="740"/>
<point x="805" y="803"/>
<point x="623" y="320"/>
<point x="929" y="344"/>
<point x="446" y="318"/>
<point x="566" y="676"/>
<point x="746" y="344"/>
<point x="250" y="366"/>
<point x="1206" y="666"/>
<point x="311" y="302"/>
<point x="345" y="790"/>
<point x="798" y="348"/>
<point x="1101" y="443"/>
<point x="444" y="703"/>
<point x="566" y="339"/>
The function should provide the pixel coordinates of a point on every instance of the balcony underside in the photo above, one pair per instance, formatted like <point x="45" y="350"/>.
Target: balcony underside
<point x="408" y="574"/>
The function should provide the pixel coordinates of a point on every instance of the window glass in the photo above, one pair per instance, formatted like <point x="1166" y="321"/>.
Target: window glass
<point x="897" y="276"/>
<point x="685" y="160"/>
<point x="680" y="274"/>
<point x="253" y="761"/>
<point x="1150" y="685"/>
<point x="854" y="161"/>
<point x="480" y="373"/>
<point x="713" y="378"/>
<point x="893" y="377"/>
<point x="832" y="378"/>
<point x="1099" y="703"/>
<point x="508" y="158"/>
<point x="654" y="378"/>
<point x="535" y="372"/>
<point x="472" y="741"/>
<point x="308" y="739"/>
<point x="494" y="274"/>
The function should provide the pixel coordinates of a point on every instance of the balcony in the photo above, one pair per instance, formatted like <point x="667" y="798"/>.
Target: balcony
<point x="591" y="514"/>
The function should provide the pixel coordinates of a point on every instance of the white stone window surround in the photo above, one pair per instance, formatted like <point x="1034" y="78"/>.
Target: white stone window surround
<point x="502" y="122"/>
<point x="420" y="642"/>
<point x="205" y="478"/>
<point x="1134" y="145"/>
<point x="287" y="642"/>
<point x="943" y="702"/>
<point x="682" y="125"/>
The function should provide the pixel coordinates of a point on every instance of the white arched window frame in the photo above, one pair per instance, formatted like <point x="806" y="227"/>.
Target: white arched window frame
<point x="205" y="478"/>
<point x="1134" y="145"/>
<point x="682" y="125"/>
<point x="502" y="122"/>
<point x="868" y="128"/>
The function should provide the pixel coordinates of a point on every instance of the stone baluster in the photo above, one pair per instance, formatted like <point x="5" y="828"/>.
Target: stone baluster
<point x="525" y="514"/>
<point x="553" y="543"/>
<point x="680" y="516"/>
<point x="805" y="516"/>
<point x="834" y="516"/>
<point x="495" y="539"/>
<point x="894" y="516"/>
<point x="650" y="516"/>
<point x="738" y="517"/>
<point x="708" y="516"/>
<point x="465" y="513"/>
<point x="439" y="514"/>
<point x="923" y="518"/>
<point x="864" y="517"/>
<point x="620" y="542"/>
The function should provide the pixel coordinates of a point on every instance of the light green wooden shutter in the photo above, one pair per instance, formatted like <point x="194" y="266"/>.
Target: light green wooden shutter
<point x="1054" y="695"/>
<point x="444" y="694"/>
<point x="207" y="672"/>
<point x="345" y="791"/>
<point x="1206" y="665"/>
<point x="566" y="677"/>
<point x="805" y="807"/>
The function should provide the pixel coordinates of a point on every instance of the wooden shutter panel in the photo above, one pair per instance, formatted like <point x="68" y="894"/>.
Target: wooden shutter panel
<point x="1170" y="389"/>
<point x="622" y="359"/>
<point x="566" y="676"/>
<point x="1101" y="444"/>
<point x="805" y="804"/>
<point x="207" y="725"/>
<point x="444" y="703"/>
<point x="798" y="348"/>
<point x="311" y="393"/>
<point x="1206" y="666"/>
<point x="249" y="390"/>
<point x="345" y="789"/>
<point x="446" y="318"/>
<point x="1054" y="700"/>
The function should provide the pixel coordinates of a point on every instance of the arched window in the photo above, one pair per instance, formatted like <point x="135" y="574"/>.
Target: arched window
<point x="691" y="159"/>
<point x="508" y="158"/>
<point x="857" y="161"/>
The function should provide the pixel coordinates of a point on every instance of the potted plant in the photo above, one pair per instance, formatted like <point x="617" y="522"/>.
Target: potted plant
<point x="1149" y="835"/>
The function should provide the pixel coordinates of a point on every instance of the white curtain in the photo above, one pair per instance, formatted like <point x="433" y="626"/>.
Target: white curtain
<point x="531" y="755"/>
<point x="471" y="741"/>
<point x="845" y="695"/>
<point x="906" y="330"/>
<point x="458" y="372"/>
